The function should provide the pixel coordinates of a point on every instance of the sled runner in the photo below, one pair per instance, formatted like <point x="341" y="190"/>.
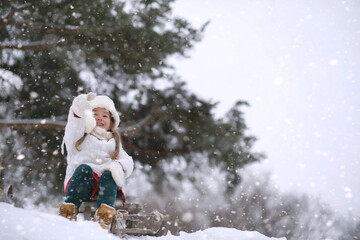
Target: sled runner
<point x="130" y="219"/>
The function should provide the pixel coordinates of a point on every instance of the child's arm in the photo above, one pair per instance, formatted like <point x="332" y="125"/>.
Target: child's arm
<point x="120" y="168"/>
<point x="126" y="162"/>
<point x="80" y="120"/>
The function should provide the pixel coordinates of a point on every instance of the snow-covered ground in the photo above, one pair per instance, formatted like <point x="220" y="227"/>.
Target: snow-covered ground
<point x="21" y="224"/>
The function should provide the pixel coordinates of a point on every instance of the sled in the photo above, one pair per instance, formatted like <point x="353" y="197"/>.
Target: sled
<point x="130" y="219"/>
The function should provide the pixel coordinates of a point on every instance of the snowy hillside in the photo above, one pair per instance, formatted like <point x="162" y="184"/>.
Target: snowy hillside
<point x="19" y="224"/>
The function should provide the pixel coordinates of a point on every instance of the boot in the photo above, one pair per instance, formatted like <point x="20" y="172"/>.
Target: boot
<point x="104" y="215"/>
<point x="69" y="211"/>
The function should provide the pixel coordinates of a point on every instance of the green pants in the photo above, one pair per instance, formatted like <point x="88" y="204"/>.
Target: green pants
<point x="82" y="183"/>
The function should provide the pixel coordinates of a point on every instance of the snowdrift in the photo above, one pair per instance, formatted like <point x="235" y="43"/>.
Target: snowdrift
<point x="20" y="224"/>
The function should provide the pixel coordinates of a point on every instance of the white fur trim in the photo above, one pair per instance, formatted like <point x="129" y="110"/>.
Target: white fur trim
<point x="106" y="102"/>
<point x="101" y="133"/>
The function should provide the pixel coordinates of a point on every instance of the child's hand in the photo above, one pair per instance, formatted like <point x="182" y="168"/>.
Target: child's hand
<point x="90" y="124"/>
<point x="81" y="104"/>
<point x="117" y="172"/>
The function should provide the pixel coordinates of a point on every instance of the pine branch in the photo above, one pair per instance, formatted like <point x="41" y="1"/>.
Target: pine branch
<point x="68" y="29"/>
<point x="11" y="13"/>
<point x="14" y="9"/>
<point x="30" y="142"/>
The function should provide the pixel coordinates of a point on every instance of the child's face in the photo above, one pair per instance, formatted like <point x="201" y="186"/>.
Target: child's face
<point x="102" y="117"/>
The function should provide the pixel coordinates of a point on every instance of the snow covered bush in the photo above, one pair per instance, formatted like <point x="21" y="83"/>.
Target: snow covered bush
<point x="254" y="206"/>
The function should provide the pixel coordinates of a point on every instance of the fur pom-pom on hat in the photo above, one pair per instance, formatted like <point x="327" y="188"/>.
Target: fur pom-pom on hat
<point x="106" y="102"/>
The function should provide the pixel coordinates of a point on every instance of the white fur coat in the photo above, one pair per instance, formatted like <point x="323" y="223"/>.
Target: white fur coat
<point x="94" y="152"/>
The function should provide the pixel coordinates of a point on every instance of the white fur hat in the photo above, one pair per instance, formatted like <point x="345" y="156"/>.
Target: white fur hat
<point x="106" y="102"/>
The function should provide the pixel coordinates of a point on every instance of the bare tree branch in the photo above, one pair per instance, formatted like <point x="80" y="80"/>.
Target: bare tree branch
<point x="32" y="124"/>
<point x="49" y="124"/>
<point x="30" y="46"/>
<point x="146" y="121"/>
<point x="57" y="124"/>
<point x="150" y="151"/>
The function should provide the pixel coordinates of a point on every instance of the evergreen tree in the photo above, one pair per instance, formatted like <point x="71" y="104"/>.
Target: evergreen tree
<point x="52" y="50"/>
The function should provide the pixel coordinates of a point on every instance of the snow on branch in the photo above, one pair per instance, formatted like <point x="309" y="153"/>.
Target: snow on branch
<point x="13" y="9"/>
<point x="9" y="81"/>
<point x="10" y="14"/>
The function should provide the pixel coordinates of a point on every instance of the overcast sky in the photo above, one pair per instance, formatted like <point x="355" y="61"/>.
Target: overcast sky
<point x="297" y="64"/>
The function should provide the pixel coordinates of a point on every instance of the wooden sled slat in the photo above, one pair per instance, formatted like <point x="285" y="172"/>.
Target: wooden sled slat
<point x="128" y="219"/>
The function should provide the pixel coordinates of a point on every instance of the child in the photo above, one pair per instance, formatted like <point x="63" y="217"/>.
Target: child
<point x="97" y="164"/>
